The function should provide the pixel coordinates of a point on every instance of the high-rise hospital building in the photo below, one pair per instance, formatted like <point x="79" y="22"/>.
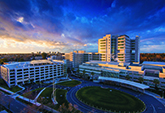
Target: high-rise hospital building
<point x="120" y="48"/>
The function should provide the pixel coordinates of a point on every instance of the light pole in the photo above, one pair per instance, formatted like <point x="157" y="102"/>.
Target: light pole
<point x="54" y="89"/>
<point x="163" y="94"/>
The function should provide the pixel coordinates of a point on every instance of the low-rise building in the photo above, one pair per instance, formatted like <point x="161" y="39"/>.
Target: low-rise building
<point x="33" y="71"/>
<point x="121" y="70"/>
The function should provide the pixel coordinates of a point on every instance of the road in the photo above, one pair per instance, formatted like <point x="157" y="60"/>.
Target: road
<point x="152" y="104"/>
<point x="14" y="105"/>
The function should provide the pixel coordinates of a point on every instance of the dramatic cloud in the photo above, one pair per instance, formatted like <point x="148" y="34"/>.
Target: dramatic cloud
<point x="65" y="25"/>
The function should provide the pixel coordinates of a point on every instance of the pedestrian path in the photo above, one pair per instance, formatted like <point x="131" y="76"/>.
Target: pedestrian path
<point x="8" y="91"/>
<point x="39" y="94"/>
<point x="14" y="95"/>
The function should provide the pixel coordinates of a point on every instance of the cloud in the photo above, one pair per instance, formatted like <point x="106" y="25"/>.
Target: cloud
<point x="68" y="23"/>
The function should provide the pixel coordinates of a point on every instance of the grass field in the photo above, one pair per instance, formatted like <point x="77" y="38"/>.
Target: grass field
<point x="32" y="94"/>
<point x="113" y="100"/>
<point x="4" y="85"/>
<point x="46" y="97"/>
<point x="70" y="83"/>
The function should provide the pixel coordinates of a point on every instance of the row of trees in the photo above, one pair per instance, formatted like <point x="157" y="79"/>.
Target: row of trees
<point x="152" y="57"/>
<point x="141" y="80"/>
<point x="83" y="74"/>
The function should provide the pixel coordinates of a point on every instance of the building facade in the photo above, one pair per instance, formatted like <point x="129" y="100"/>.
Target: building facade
<point x="34" y="71"/>
<point x="78" y="57"/>
<point x="121" y="70"/>
<point x="119" y="48"/>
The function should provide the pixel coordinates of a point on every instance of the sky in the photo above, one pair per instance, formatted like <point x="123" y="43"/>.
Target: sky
<point x="67" y="25"/>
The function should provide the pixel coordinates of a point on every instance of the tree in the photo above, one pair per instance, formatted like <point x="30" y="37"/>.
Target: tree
<point x="72" y="70"/>
<point x="92" y="73"/>
<point x="127" y="77"/>
<point x="156" y="82"/>
<point x="3" y="60"/>
<point x="68" y="71"/>
<point x="84" y="73"/>
<point x="44" y="55"/>
<point x="141" y="79"/>
<point x="21" y="60"/>
<point x="69" y="109"/>
<point x="78" y="71"/>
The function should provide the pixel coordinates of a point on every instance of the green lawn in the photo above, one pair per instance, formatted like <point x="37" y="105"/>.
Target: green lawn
<point x="47" y="97"/>
<point x="32" y="94"/>
<point x="61" y="99"/>
<point x="113" y="100"/>
<point x="70" y="83"/>
<point x="13" y="89"/>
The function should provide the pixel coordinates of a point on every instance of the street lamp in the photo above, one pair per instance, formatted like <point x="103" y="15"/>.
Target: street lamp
<point x="163" y="94"/>
<point x="54" y="89"/>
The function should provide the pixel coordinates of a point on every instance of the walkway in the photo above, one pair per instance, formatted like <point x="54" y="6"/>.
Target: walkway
<point x="15" y="106"/>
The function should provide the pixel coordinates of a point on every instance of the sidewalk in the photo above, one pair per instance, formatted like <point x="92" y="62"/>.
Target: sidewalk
<point x="8" y="91"/>
<point x="39" y="94"/>
<point x="14" y="95"/>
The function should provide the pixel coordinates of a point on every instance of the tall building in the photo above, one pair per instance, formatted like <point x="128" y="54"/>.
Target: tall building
<point x="120" y="48"/>
<point x="104" y="48"/>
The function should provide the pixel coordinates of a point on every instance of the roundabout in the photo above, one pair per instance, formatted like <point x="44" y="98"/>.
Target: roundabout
<point x="110" y="99"/>
<point x="152" y="105"/>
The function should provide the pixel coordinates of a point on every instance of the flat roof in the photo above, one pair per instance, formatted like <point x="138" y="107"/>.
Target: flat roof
<point x="135" y="84"/>
<point x="110" y="63"/>
<point x="40" y="61"/>
<point x="153" y="63"/>
<point x="16" y="64"/>
<point x="25" y="64"/>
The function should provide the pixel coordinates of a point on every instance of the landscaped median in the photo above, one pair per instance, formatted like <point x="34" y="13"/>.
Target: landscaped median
<point x="110" y="99"/>
<point x="71" y="83"/>
<point x="62" y="106"/>
<point x="32" y="94"/>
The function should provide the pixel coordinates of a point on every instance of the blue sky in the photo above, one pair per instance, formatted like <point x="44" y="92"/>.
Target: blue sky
<point x="66" y="25"/>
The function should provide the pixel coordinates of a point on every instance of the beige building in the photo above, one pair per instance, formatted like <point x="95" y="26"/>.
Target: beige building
<point x="78" y="57"/>
<point x="119" y="48"/>
<point x="104" y="48"/>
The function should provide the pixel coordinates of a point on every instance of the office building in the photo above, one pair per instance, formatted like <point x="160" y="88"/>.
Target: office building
<point x="33" y="71"/>
<point x="75" y="58"/>
<point x="119" y="48"/>
<point x="78" y="57"/>
<point x="148" y="71"/>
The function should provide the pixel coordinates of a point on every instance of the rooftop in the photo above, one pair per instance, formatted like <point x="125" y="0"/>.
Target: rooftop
<point x="40" y="61"/>
<point x="153" y="63"/>
<point x="110" y="63"/>
<point x="29" y="63"/>
<point x="135" y="84"/>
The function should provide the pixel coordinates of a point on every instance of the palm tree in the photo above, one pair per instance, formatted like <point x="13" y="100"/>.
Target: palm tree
<point x="78" y="71"/>
<point x="84" y="73"/>
<point x="127" y="77"/>
<point x="92" y="73"/>
<point x="72" y="70"/>
<point x="141" y="79"/>
<point x="156" y="82"/>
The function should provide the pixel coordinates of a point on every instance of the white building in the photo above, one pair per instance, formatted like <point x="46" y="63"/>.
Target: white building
<point x="120" y="48"/>
<point x="33" y="71"/>
<point x="121" y="70"/>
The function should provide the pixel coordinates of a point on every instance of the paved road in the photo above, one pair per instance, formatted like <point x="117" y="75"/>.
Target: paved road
<point x="14" y="105"/>
<point x="152" y="104"/>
